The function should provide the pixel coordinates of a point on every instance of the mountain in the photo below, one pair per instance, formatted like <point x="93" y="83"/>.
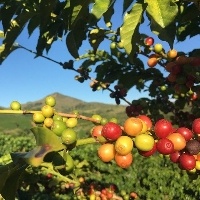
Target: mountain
<point x="66" y="104"/>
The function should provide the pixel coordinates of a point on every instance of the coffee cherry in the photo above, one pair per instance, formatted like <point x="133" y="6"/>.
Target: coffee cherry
<point x="149" y="41"/>
<point x="111" y="131"/>
<point x="113" y="45"/>
<point x="68" y="136"/>
<point x="172" y="54"/>
<point x="58" y="127"/>
<point x="71" y="122"/>
<point x="15" y="105"/>
<point x="152" y="62"/>
<point x="165" y="146"/>
<point x="38" y="117"/>
<point x="50" y="100"/>
<point x="158" y="48"/>
<point x="48" y="122"/>
<point x="47" y="111"/>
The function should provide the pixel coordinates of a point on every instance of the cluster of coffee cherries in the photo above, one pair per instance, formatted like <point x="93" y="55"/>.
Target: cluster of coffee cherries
<point x="119" y="93"/>
<point x="181" y="145"/>
<point x="97" y="191"/>
<point x="183" y="70"/>
<point x="158" y="52"/>
<point x="48" y="117"/>
<point x="183" y="75"/>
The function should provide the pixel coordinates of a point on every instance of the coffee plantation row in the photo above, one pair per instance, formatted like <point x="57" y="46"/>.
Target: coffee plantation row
<point x="60" y="164"/>
<point x="151" y="178"/>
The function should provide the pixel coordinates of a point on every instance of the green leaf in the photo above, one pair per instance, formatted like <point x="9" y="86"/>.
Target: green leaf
<point x="45" y="136"/>
<point x="190" y="29"/>
<point x="129" y="29"/>
<point x="71" y="44"/>
<point x="78" y="9"/>
<point x="129" y="79"/>
<point x="46" y="8"/>
<point x="33" y="24"/>
<point x="99" y="8"/>
<point x="2" y="34"/>
<point x="162" y="12"/>
<point x="108" y="71"/>
<point x="195" y="52"/>
<point x="126" y="4"/>
<point x="15" y="29"/>
<point x="190" y="13"/>
<point x="75" y="38"/>
<point x="108" y="14"/>
<point x="165" y="34"/>
<point x="7" y="12"/>
<point x="5" y="171"/>
<point x="12" y="182"/>
<point x="36" y="156"/>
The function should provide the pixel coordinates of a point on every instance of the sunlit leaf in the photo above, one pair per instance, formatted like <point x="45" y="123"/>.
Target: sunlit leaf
<point x="163" y="12"/>
<point x="36" y="156"/>
<point x="78" y="9"/>
<point x="2" y="34"/>
<point x="99" y="8"/>
<point x="129" y="29"/>
<point x="45" y="136"/>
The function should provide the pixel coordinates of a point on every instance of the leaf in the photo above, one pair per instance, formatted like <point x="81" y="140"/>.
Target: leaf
<point x="78" y="9"/>
<point x="2" y="34"/>
<point x="15" y="29"/>
<point x="108" y="71"/>
<point x="45" y="136"/>
<point x="129" y="79"/>
<point x="75" y="37"/>
<point x="99" y="8"/>
<point x="46" y="8"/>
<point x="96" y="36"/>
<point x="12" y="182"/>
<point x="190" y="13"/>
<point x="129" y="29"/>
<point x="127" y="4"/>
<point x="162" y="12"/>
<point x="2" y="51"/>
<point x="71" y="45"/>
<point x="195" y="53"/>
<point x="165" y="34"/>
<point x="6" y="14"/>
<point x="36" y="156"/>
<point x="190" y="29"/>
<point x="108" y="14"/>
<point x="5" y="171"/>
<point x="33" y="24"/>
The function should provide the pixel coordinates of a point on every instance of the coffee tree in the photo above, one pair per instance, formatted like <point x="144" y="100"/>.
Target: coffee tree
<point x="119" y="52"/>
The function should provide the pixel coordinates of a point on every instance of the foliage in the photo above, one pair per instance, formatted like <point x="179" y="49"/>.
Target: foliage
<point x="173" y="89"/>
<point x="151" y="178"/>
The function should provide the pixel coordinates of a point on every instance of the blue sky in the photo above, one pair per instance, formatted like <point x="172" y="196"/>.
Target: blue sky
<point x="24" y="78"/>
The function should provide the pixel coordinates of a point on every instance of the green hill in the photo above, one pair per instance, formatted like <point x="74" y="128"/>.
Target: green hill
<point x="13" y="123"/>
